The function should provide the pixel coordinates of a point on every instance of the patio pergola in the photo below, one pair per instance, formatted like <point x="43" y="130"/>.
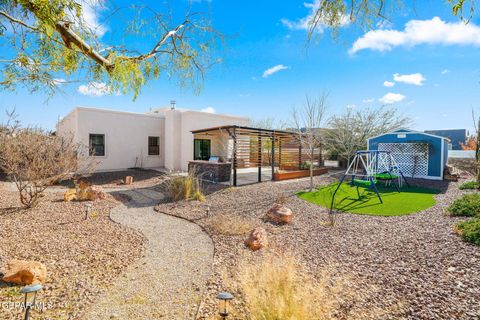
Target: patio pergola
<point x="249" y="147"/>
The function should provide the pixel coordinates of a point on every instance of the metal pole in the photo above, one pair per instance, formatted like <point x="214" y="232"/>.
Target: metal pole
<point x="273" y="157"/>
<point x="234" y="158"/>
<point x="259" y="158"/>
<point x="300" y="156"/>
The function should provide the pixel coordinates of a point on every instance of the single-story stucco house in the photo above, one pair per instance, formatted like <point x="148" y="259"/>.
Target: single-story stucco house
<point x="159" y="138"/>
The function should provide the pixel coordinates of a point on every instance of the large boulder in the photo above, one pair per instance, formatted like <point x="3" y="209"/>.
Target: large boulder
<point x="96" y="193"/>
<point x="280" y="214"/>
<point x="24" y="272"/>
<point x="257" y="239"/>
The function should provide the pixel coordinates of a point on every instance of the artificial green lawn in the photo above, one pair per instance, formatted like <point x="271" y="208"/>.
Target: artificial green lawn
<point x="409" y="200"/>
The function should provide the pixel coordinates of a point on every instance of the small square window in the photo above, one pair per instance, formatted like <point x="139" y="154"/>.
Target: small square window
<point x="153" y="146"/>
<point x="97" y="145"/>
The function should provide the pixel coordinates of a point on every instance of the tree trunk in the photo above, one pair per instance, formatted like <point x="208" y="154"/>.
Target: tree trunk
<point x="311" y="169"/>
<point x="477" y="155"/>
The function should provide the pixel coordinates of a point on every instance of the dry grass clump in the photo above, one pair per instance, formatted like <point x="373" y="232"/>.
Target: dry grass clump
<point x="186" y="187"/>
<point x="231" y="224"/>
<point x="279" y="287"/>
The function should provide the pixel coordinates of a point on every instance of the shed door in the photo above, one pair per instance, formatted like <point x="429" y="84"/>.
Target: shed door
<point x="412" y="158"/>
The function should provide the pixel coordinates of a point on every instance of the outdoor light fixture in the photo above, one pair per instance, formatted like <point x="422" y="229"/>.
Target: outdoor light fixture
<point x="224" y="298"/>
<point x="88" y="206"/>
<point x="30" y="296"/>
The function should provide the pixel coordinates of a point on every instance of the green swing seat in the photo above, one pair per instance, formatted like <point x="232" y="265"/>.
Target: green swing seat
<point x="363" y="183"/>
<point x="385" y="176"/>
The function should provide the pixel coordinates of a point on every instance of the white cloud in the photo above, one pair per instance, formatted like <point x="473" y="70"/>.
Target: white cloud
<point x="95" y="89"/>
<point x="90" y="15"/>
<point x="416" y="79"/>
<point x="305" y="23"/>
<point x="416" y="32"/>
<point x="279" y="67"/>
<point x="445" y="71"/>
<point x="369" y="100"/>
<point x="389" y="84"/>
<point x="391" y="98"/>
<point x="208" y="110"/>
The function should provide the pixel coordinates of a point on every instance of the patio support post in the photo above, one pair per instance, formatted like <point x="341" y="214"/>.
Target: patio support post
<point x="300" y="156"/>
<point x="279" y="152"/>
<point x="259" y="158"/>
<point x="234" y="158"/>
<point x="273" y="157"/>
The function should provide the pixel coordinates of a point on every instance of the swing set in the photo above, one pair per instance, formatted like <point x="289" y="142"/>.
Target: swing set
<point x="367" y="168"/>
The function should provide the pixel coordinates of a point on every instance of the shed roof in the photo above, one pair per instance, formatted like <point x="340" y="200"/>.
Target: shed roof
<point x="409" y="131"/>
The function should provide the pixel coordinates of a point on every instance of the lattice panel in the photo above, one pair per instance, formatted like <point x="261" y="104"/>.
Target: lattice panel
<point x="412" y="158"/>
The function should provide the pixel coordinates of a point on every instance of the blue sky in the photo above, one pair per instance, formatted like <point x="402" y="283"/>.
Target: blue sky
<point x="427" y="67"/>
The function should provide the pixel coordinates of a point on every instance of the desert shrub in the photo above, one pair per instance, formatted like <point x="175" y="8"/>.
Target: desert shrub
<point x="469" y="185"/>
<point x="35" y="159"/>
<point x="468" y="205"/>
<point x="186" y="187"/>
<point x="470" y="230"/>
<point x="279" y="287"/>
<point x="231" y="224"/>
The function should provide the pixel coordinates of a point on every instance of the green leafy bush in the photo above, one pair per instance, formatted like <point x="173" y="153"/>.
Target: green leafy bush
<point x="468" y="205"/>
<point x="469" y="185"/>
<point x="470" y="230"/>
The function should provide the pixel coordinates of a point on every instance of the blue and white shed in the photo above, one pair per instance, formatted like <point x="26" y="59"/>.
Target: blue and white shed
<point x="418" y="154"/>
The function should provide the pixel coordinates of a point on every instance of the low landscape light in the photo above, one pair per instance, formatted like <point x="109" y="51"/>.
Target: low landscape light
<point x="88" y="207"/>
<point x="30" y="296"/>
<point x="224" y="298"/>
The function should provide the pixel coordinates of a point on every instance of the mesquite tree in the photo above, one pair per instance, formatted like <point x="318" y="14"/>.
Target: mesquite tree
<point x="366" y="13"/>
<point x="308" y="120"/>
<point x="44" y="41"/>
<point x="348" y="132"/>
<point x="34" y="159"/>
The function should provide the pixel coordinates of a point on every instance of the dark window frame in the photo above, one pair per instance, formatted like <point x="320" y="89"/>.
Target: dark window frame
<point x="203" y="157"/>
<point x="154" y="149"/>
<point x="96" y="149"/>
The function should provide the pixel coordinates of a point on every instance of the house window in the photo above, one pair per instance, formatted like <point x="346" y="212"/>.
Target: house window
<point x="201" y="149"/>
<point x="97" y="145"/>
<point x="153" y="146"/>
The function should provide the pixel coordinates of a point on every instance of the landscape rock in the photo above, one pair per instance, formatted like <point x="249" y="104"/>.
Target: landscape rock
<point x="24" y="272"/>
<point x="96" y="193"/>
<point x="280" y="214"/>
<point x="257" y="239"/>
<point x="70" y="194"/>
<point x="128" y="180"/>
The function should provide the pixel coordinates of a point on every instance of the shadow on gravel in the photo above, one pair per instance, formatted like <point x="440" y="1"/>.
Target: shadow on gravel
<point x="114" y="177"/>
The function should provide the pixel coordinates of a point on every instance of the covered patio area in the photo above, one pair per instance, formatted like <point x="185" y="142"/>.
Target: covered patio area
<point x="244" y="155"/>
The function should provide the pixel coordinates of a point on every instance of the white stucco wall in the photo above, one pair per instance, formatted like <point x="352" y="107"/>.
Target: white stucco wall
<point x="126" y="136"/>
<point x="192" y="120"/>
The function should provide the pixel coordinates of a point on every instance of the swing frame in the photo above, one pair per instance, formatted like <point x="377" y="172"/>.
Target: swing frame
<point x="377" y="166"/>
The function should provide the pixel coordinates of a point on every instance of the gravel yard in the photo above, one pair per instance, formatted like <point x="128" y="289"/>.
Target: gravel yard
<point x="82" y="256"/>
<point x="420" y="268"/>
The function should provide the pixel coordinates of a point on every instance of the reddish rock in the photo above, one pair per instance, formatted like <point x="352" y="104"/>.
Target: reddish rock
<point x="128" y="180"/>
<point x="96" y="193"/>
<point x="257" y="239"/>
<point x="280" y="214"/>
<point x="24" y="272"/>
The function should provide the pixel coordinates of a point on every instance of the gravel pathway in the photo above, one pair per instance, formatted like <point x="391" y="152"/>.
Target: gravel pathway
<point x="421" y="269"/>
<point x="168" y="282"/>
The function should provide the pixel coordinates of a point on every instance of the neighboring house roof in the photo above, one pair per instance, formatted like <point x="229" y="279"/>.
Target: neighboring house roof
<point x="456" y="136"/>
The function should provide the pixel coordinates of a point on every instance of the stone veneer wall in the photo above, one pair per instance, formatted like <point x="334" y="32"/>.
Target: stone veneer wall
<point x="211" y="171"/>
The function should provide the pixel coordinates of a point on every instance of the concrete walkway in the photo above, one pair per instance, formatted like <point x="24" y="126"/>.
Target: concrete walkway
<point x="168" y="282"/>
